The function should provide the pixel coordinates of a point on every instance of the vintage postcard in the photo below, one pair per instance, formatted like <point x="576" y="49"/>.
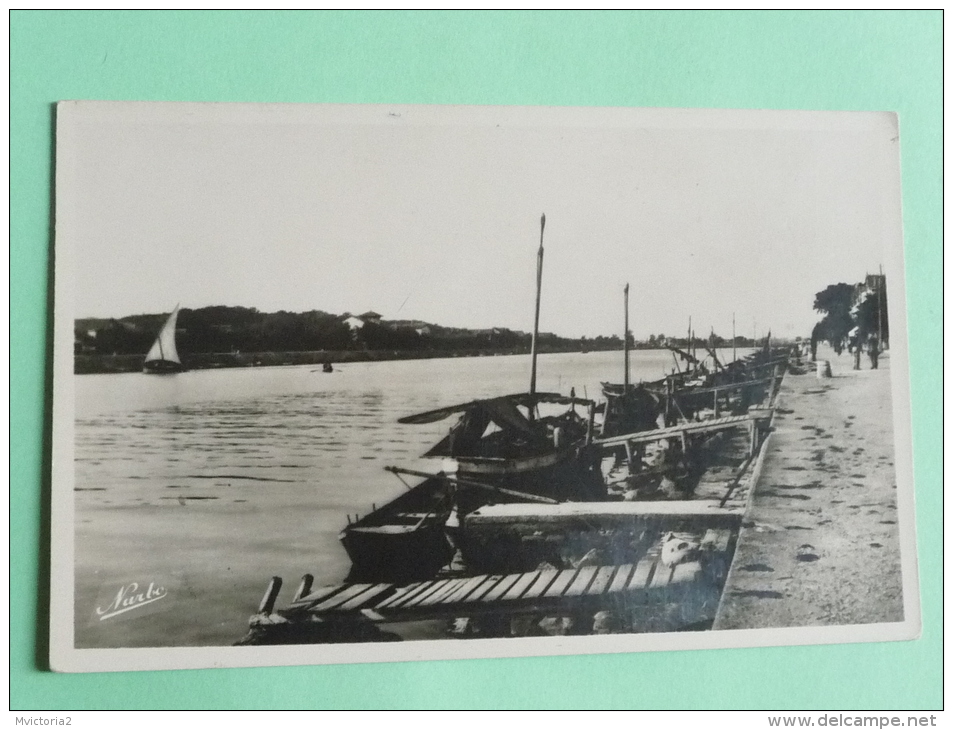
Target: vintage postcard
<point x="381" y="383"/>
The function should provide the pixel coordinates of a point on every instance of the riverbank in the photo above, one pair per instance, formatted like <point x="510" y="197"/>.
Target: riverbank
<point x="820" y="543"/>
<point x="100" y="364"/>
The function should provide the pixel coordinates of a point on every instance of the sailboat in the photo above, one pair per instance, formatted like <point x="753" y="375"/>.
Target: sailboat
<point x="162" y="357"/>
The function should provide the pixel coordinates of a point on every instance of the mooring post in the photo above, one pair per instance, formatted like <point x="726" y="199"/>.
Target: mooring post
<point x="591" y="422"/>
<point x="267" y="604"/>
<point x="629" y="457"/>
<point x="304" y="588"/>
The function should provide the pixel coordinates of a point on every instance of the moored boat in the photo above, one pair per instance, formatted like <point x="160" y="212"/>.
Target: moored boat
<point x="500" y="450"/>
<point x="525" y="446"/>
<point x="512" y="441"/>
<point x="405" y="539"/>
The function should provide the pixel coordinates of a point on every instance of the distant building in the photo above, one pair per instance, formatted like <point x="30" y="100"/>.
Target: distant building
<point x="357" y="323"/>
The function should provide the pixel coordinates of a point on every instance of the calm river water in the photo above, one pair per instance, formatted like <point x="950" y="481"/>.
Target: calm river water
<point x="205" y="484"/>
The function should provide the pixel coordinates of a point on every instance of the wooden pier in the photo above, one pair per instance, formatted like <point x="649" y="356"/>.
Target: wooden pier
<point x="587" y="588"/>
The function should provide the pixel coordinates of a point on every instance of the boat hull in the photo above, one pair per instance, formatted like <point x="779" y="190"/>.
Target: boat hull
<point x="395" y="557"/>
<point x="162" y="367"/>
<point x="403" y="540"/>
<point x="568" y="474"/>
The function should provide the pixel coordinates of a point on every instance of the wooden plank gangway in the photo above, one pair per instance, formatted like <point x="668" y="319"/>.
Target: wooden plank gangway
<point x="728" y="387"/>
<point x="649" y="580"/>
<point x="607" y="513"/>
<point x="712" y="425"/>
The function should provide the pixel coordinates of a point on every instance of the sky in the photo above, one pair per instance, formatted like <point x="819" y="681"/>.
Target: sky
<point x="433" y="213"/>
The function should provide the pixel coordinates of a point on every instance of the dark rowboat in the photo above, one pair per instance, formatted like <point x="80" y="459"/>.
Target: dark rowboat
<point x="503" y="450"/>
<point x="405" y="539"/>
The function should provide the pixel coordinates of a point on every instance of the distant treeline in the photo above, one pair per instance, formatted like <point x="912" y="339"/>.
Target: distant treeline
<point x="231" y="336"/>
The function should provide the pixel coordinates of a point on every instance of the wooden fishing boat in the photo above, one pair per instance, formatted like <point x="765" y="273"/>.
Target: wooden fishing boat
<point x="681" y="479"/>
<point x="405" y="539"/>
<point x="163" y="358"/>
<point x="524" y="447"/>
<point x="532" y="442"/>
<point x="495" y="453"/>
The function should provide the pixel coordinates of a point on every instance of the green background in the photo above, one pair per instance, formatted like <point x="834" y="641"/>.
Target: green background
<point x="779" y="60"/>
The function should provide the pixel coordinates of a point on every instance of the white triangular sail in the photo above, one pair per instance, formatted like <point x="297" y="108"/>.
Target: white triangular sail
<point x="164" y="346"/>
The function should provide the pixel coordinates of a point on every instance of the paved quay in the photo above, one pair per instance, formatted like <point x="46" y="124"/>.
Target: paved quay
<point x="820" y="544"/>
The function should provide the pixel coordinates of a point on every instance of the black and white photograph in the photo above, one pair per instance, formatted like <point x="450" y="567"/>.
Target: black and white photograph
<point x="379" y="383"/>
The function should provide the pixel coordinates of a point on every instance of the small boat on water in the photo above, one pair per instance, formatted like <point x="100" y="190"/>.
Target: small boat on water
<point x="404" y="539"/>
<point x="163" y="358"/>
<point x="501" y="450"/>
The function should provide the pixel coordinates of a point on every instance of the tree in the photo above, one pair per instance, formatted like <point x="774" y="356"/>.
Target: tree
<point x="835" y="303"/>
<point x="870" y="309"/>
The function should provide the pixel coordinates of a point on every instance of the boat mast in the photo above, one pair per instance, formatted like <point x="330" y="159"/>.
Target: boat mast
<point x="626" y="346"/>
<point x="690" y="341"/>
<point x="539" y="286"/>
<point x="734" y="339"/>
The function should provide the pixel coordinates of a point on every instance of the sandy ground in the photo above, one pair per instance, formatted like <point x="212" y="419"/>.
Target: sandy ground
<point x="820" y="543"/>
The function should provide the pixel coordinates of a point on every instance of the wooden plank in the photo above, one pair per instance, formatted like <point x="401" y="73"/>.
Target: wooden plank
<point x="539" y="586"/>
<point x="339" y="598"/>
<point x="365" y="597"/>
<point x="424" y="587"/>
<point x="601" y="581"/>
<point x="686" y="572"/>
<point x="464" y="590"/>
<point x="402" y="592"/>
<point x="435" y="587"/>
<point x="516" y="590"/>
<point x="616" y="511"/>
<point x="561" y="583"/>
<point x="502" y="587"/>
<point x="438" y="596"/>
<point x="317" y="595"/>
<point x="709" y="426"/>
<point x="728" y="387"/>
<point x="662" y="576"/>
<point x="484" y="588"/>
<point x="582" y="580"/>
<point x="642" y="572"/>
<point x="621" y="578"/>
